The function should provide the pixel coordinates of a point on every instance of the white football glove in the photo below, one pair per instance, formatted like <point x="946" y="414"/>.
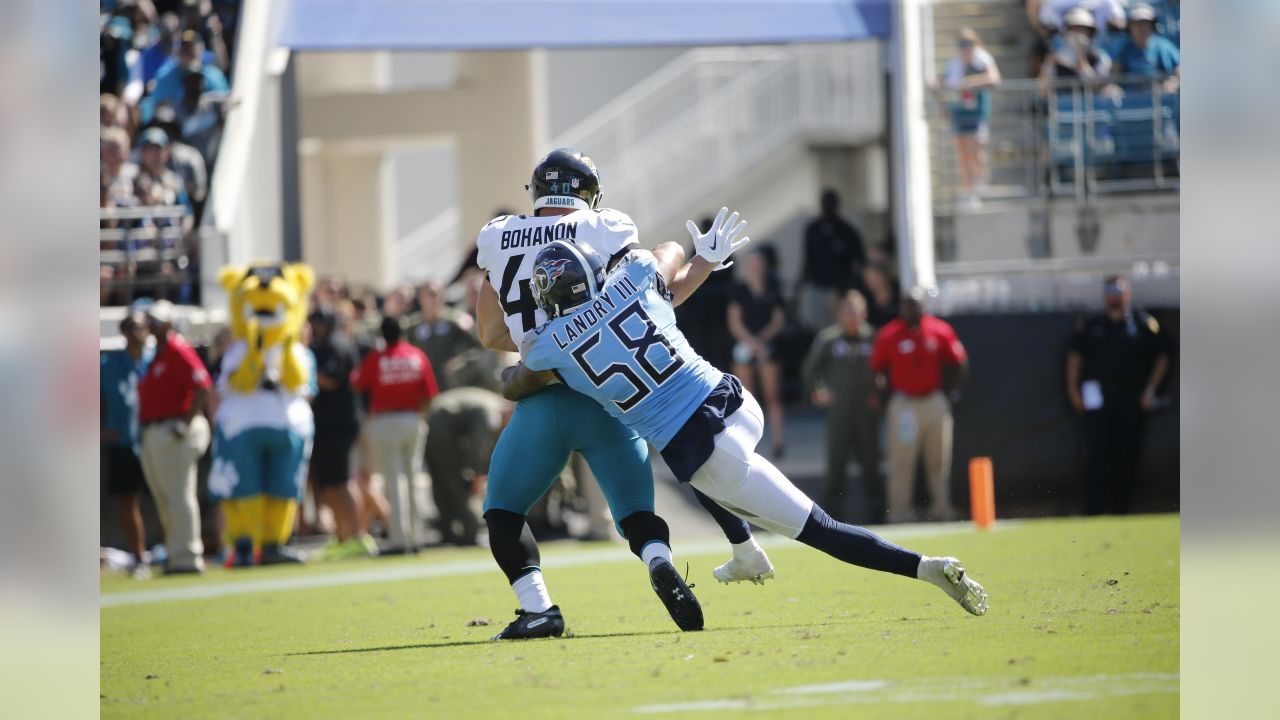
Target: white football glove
<point x="720" y="241"/>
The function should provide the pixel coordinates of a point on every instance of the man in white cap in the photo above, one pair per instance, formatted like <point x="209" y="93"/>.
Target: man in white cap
<point x="172" y="399"/>
<point x="1146" y="53"/>
<point x="1075" y="52"/>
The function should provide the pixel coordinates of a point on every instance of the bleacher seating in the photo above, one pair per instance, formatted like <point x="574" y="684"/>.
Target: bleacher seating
<point x="163" y="84"/>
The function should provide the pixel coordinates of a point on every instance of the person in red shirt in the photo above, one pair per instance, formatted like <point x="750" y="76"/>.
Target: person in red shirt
<point x="921" y="362"/>
<point x="400" y="384"/>
<point x="172" y="399"/>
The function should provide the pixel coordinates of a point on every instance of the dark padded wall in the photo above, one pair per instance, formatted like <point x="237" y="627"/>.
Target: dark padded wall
<point x="1015" y="411"/>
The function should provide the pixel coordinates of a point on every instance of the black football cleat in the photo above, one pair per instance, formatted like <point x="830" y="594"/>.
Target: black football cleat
<point x="676" y="596"/>
<point x="528" y="625"/>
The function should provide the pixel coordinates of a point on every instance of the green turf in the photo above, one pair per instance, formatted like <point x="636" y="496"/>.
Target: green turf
<point x="1083" y="622"/>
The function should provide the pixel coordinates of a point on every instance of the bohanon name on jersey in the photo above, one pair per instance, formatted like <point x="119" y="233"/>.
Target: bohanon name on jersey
<point x="531" y="236"/>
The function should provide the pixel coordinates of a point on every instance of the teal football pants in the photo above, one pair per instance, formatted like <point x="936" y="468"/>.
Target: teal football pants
<point x="535" y="447"/>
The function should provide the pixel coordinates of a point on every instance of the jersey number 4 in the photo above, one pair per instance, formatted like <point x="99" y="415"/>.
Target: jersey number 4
<point x="639" y="347"/>
<point x="523" y="304"/>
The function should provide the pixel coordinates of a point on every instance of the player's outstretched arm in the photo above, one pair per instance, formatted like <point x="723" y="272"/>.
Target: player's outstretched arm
<point x="683" y="280"/>
<point x="520" y="382"/>
<point x="490" y="324"/>
<point x="713" y="248"/>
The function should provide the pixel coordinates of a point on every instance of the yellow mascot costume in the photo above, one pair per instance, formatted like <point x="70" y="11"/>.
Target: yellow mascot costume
<point x="264" y="426"/>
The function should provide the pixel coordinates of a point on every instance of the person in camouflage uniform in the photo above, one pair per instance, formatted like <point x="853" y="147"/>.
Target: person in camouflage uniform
<point x="438" y="330"/>
<point x="463" y="426"/>
<point x="838" y="374"/>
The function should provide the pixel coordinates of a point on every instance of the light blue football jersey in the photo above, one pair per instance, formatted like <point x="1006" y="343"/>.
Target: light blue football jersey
<point x="624" y="351"/>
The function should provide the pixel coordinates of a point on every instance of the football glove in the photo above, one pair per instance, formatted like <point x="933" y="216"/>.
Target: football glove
<point x="721" y="239"/>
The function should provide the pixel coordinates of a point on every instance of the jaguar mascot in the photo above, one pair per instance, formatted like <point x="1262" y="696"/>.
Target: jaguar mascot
<point x="263" y="428"/>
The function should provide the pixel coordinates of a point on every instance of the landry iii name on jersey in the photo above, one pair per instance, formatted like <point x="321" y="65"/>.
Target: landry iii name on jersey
<point x="507" y="245"/>
<point x="624" y="350"/>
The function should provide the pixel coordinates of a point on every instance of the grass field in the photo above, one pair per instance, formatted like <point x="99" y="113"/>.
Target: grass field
<point x="1083" y="623"/>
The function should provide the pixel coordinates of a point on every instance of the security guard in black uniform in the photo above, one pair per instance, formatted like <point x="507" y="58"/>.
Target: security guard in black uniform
<point x="1116" y="362"/>
<point x="838" y="373"/>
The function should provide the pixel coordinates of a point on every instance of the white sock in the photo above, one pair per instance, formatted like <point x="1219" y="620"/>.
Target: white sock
<point x="920" y="568"/>
<point x="532" y="592"/>
<point x="745" y="548"/>
<point x="655" y="551"/>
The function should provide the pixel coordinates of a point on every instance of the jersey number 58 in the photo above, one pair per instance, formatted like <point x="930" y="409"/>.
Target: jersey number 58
<point x="639" y="347"/>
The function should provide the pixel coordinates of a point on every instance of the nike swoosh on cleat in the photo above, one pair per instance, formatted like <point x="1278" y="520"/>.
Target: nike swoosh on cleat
<point x="536" y="623"/>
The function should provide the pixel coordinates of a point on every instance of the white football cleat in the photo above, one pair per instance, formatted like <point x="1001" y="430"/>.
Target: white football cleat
<point x="753" y="566"/>
<point x="948" y="574"/>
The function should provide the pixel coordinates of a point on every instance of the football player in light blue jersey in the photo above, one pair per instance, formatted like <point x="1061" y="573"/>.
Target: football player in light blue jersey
<point x="548" y="425"/>
<point x="641" y="350"/>
<point x="614" y="338"/>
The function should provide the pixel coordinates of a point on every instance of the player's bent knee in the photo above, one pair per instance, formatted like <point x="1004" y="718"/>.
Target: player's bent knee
<point x="643" y="527"/>
<point x="722" y="475"/>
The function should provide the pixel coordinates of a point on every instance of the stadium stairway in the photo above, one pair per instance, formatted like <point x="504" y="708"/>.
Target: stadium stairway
<point x="733" y="126"/>
<point x="762" y="128"/>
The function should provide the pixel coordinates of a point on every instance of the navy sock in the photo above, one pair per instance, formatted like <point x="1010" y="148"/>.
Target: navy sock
<point x="856" y="546"/>
<point x="734" y="527"/>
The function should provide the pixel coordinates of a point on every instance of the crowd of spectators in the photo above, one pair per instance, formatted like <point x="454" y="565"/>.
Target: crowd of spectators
<point x="1123" y="53"/>
<point x="163" y="69"/>
<point x="1097" y="42"/>
<point x="375" y="435"/>
<point x="751" y="321"/>
<point x="884" y="372"/>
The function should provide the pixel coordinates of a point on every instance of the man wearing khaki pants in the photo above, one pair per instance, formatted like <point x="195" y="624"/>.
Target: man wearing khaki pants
<point x="172" y="398"/>
<point x="401" y="384"/>
<point x="909" y="358"/>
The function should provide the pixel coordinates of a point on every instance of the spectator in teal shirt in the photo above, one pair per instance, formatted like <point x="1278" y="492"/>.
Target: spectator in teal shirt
<point x="119" y="373"/>
<point x="1144" y="52"/>
<point x="169" y="87"/>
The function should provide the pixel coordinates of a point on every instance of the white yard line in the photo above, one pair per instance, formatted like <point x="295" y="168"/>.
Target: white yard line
<point x="983" y="691"/>
<point x="553" y="558"/>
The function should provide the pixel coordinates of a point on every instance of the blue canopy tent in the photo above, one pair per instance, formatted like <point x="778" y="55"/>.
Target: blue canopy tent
<point x="320" y="25"/>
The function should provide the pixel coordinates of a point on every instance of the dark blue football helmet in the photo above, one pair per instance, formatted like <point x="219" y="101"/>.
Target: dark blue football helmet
<point x="565" y="276"/>
<point x="565" y="178"/>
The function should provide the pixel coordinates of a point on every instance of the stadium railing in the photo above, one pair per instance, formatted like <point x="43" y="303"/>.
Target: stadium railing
<point x="1083" y="183"/>
<point x="1075" y="140"/>
<point x="151" y="254"/>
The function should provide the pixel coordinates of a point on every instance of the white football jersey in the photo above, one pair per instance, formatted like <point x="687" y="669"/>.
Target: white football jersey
<point x="507" y="246"/>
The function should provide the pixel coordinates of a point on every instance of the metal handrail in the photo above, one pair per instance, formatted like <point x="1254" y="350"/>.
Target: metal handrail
<point x="139" y="253"/>
<point x="681" y="68"/>
<point x="1071" y="139"/>
<point x="165" y="212"/>
<point x="1053" y="265"/>
<point x="711" y="114"/>
<point x="150" y="233"/>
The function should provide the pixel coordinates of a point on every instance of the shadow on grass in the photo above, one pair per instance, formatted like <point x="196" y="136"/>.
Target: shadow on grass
<point x="573" y="636"/>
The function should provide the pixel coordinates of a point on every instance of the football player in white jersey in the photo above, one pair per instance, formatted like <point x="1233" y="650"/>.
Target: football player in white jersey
<point x="547" y="426"/>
